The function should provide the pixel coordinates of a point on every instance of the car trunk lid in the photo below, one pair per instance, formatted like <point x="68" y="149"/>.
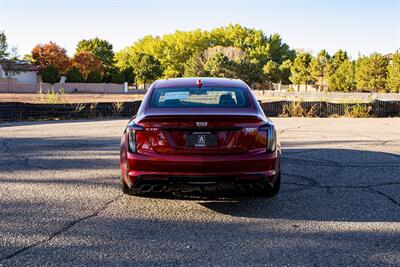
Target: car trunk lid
<point x="200" y="134"/>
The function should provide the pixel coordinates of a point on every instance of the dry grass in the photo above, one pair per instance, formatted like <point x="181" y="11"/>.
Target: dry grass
<point x="92" y="110"/>
<point x="117" y="108"/>
<point x="294" y="109"/>
<point x="51" y="97"/>
<point x="358" y="111"/>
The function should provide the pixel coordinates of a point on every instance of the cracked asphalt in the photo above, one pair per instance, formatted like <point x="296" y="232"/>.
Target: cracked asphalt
<point x="60" y="202"/>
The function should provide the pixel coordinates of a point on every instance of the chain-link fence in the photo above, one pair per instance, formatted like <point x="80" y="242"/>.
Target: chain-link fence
<point x="25" y="111"/>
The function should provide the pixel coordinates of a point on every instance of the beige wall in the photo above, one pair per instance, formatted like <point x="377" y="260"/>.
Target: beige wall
<point x="84" y="87"/>
<point x="333" y="97"/>
<point x="11" y="86"/>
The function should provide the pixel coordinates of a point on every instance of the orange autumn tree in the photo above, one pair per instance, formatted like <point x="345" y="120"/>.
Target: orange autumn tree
<point x="87" y="62"/>
<point x="44" y="55"/>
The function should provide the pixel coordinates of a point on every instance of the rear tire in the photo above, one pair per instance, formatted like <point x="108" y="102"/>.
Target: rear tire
<point x="129" y="191"/>
<point x="270" y="192"/>
<point x="125" y="188"/>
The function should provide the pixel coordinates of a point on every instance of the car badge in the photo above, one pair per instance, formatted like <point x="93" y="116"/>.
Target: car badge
<point x="201" y="123"/>
<point x="201" y="139"/>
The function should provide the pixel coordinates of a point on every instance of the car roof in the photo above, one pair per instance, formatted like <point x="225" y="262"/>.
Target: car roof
<point x="206" y="81"/>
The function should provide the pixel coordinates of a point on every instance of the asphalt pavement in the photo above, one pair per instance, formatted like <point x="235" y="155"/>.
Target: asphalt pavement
<point x="61" y="204"/>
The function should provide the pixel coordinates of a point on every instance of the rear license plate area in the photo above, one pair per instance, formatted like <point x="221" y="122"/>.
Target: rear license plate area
<point x="201" y="139"/>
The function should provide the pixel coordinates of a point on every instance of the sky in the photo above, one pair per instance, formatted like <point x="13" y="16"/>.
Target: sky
<point x="359" y="27"/>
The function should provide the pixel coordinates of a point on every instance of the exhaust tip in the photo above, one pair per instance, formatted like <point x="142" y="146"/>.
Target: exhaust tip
<point x="146" y="188"/>
<point x="158" y="188"/>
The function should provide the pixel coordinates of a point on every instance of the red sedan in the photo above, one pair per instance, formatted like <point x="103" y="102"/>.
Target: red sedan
<point x="206" y="134"/>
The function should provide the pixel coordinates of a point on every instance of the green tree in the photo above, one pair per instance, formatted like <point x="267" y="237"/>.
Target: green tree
<point x="131" y="57"/>
<point x="51" y="74"/>
<point x="123" y="58"/>
<point x="344" y="77"/>
<point x="247" y="70"/>
<point x="177" y="52"/>
<point x="238" y="36"/>
<point x="336" y="60"/>
<point x="117" y="76"/>
<point x="148" y="69"/>
<point x="277" y="73"/>
<point x="94" y="77"/>
<point x="319" y="68"/>
<point x="284" y="70"/>
<point x="129" y="74"/>
<point x="194" y="66"/>
<point x="178" y="47"/>
<point x="278" y="50"/>
<point x="102" y="49"/>
<point x="393" y="78"/>
<point x="219" y="65"/>
<point x="3" y="45"/>
<point x="301" y="69"/>
<point x="74" y="76"/>
<point x="371" y="72"/>
<point x="243" y="68"/>
<point x="271" y="71"/>
<point x="258" y="46"/>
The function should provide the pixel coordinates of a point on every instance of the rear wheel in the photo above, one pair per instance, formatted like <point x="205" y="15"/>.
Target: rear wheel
<point x="130" y="191"/>
<point x="272" y="191"/>
<point x="125" y="188"/>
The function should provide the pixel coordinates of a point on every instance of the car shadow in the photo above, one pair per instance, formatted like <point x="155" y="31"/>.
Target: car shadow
<point x="322" y="184"/>
<point x="326" y="185"/>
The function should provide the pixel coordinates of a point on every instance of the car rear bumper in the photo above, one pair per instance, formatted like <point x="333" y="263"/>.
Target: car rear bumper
<point x="252" y="183"/>
<point x="206" y="169"/>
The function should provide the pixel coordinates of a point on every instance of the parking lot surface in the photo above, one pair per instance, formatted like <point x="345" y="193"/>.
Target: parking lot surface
<point x="60" y="201"/>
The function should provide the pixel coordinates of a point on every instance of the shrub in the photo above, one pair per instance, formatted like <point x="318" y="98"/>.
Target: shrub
<point x="74" y="76"/>
<point x="117" y="108"/>
<point x="295" y="109"/>
<point x="93" y="110"/>
<point x="51" y="75"/>
<point x="79" y="107"/>
<point x="94" y="77"/>
<point x="117" y="77"/>
<point x="51" y="97"/>
<point x="358" y="111"/>
<point x="129" y="75"/>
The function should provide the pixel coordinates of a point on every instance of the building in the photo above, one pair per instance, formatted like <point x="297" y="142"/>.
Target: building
<point x="19" y="71"/>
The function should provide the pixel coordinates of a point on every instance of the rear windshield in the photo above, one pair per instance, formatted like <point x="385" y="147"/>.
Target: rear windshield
<point x="199" y="97"/>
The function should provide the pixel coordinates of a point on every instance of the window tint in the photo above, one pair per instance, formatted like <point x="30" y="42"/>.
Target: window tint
<point x="199" y="97"/>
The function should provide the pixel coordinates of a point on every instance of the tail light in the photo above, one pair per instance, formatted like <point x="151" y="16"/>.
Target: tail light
<point x="270" y="131"/>
<point x="132" y="129"/>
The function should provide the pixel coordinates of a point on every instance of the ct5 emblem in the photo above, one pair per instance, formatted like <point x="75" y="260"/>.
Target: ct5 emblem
<point x="201" y="123"/>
